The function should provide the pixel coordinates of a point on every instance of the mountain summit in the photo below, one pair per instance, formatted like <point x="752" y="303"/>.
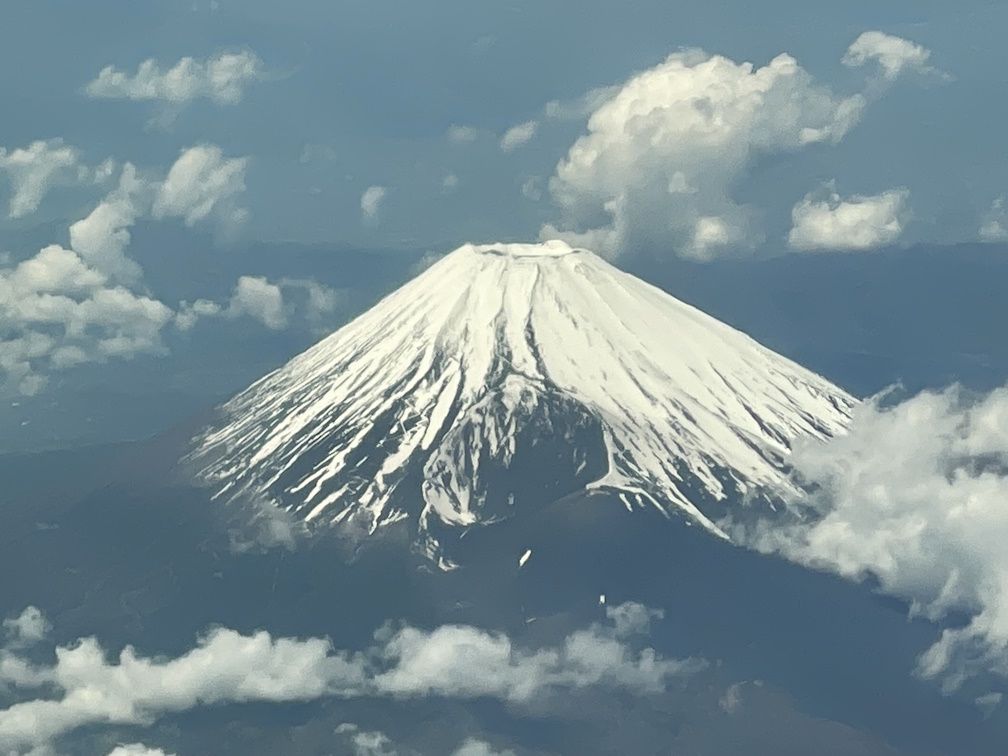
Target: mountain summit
<point x="507" y="376"/>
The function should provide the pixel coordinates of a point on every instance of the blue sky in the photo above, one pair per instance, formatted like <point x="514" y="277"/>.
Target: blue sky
<point x="365" y="93"/>
<point x="201" y="148"/>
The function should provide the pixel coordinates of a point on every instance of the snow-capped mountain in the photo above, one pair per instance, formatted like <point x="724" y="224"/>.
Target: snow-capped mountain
<point x="509" y="375"/>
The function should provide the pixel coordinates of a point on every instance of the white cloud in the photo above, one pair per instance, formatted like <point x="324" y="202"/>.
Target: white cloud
<point x="454" y="661"/>
<point x="916" y="495"/>
<point x="711" y="233"/>
<point x="894" y="55"/>
<point x="102" y="237"/>
<point x="995" y="223"/>
<point x="462" y="134"/>
<point x="466" y="662"/>
<point x="376" y="743"/>
<point x="371" y="201"/>
<point x="222" y="79"/>
<point x="27" y="629"/>
<point x="662" y="154"/>
<point x="519" y="135"/>
<point x="366" y="742"/>
<point x="202" y="182"/>
<point x="64" y="307"/>
<point x="137" y="749"/>
<point x="189" y="314"/>
<point x="449" y="183"/>
<point x="35" y="170"/>
<point x="56" y="311"/>
<point x="854" y="223"/>
<point x="257" y="298"/>
<point x="271" y="303"/>
<point x="224" y="667"/>
<point x="476" y="747"/>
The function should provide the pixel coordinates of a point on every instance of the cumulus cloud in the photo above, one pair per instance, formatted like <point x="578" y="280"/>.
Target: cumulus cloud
<point x="27" y="629"/>
<point x="455" y="661"/>
<point x="56" y="312"/>
<point x="102" y="237"/>
<point x="371" y="201"/>
<point x="662" y="154"/>
<point x="995" y="223"/>
<point x="201" y="182"/>
<point x="893" y="55"/>
<point x="519" y="135"/>
<point x="854" y="223"/>
<point x="449" y="183"/>
<point x="33" y="171"/>
<point x="67" y="306"/>
<point x="271" y="303"/>
<point x="916" y="495"/>
<point x="257" y="298"/>
<point x="531" y="188"/>
<point x="190" y="313"/>
<point x="466" y="662"/>
<point x="221" y="79"/>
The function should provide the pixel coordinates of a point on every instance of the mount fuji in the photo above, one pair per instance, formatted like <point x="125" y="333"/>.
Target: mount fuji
<point x="518" y="442"/>
<point x="507" y="376"/>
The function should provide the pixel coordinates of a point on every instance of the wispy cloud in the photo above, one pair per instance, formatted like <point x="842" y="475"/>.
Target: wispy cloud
<point x="201" y="182"/>
<point x="995" y="223"/>
<point x="37" y="169"/>
<point x="449" y="183"/>
<point x="221" y="79"/>
<point x="519" y="135"/>
<point x="371" y="202"/>
<point x="893" y="55"/>
<point x="460" y="134"/>
<point x="579" y="107"/>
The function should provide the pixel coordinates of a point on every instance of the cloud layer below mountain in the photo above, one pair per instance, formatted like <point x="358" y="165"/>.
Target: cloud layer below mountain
<point x="452" y="661"/>
<point x="916" y="495"/>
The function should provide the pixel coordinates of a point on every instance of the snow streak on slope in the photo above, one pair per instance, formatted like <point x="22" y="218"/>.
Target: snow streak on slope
<point x="503" y="354"/>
